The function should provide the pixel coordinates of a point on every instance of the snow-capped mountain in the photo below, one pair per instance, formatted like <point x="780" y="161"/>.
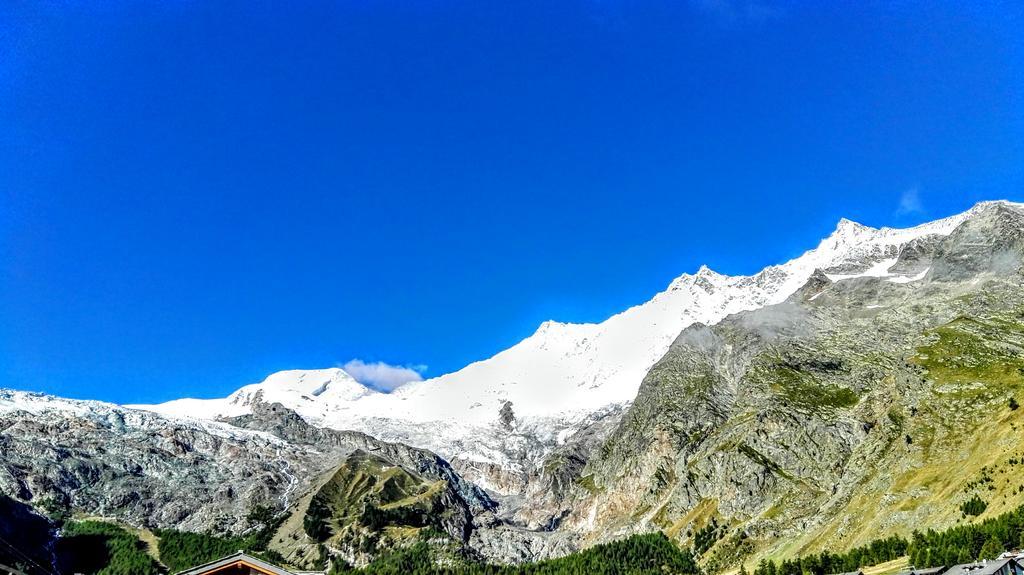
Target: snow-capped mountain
<point x="312" y="392"/>
<point x="585" y="433"/>
<point x="564" y="375"/>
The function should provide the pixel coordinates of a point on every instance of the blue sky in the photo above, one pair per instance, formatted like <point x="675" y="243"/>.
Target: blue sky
<point x="196" y="194"/>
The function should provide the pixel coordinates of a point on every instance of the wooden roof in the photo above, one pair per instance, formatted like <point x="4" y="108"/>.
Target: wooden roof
<point x="236" y="564"/>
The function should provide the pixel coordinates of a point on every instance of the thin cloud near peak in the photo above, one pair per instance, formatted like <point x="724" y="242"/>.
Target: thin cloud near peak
<point x="910" y="203"/>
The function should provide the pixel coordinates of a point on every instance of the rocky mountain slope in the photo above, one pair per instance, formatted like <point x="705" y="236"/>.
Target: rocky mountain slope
<point x="859" y="390"/>
<point x="89" y="459"/>
<point x="107" y="460"/>
<point x="857" y="408"/>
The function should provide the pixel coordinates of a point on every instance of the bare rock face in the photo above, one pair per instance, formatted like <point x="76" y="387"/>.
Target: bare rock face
<point x="916" y="256"/>
<point x="106" y="460"/>
<point x="507" y="417"/>
<point x="992" y="241"/>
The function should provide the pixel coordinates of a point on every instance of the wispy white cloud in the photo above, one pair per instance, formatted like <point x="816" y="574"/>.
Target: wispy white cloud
<point x="383" y="376"/>
<point x="910" y="203"/>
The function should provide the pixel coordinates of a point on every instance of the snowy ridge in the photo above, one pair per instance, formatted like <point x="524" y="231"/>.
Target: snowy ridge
<point x="558" y="378"/>
<point x="119" y="417"/>
<point x="566" y="368"/>
<point x="313" y="393"/>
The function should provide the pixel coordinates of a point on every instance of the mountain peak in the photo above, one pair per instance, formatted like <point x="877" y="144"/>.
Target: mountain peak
<point x="703" y="274"/>
<point x="313" y="381"/>
<point x="847" y="228"/>
<point x="995" y="206"/>
<point x="707" y="272"/>
<point x="1003" y="203"/>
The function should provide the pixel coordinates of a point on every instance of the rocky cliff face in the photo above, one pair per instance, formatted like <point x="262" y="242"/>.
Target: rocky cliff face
<point x="148" y="470"/>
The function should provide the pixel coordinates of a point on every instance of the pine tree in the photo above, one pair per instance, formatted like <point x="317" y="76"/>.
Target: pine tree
<point x="991" y="549"/>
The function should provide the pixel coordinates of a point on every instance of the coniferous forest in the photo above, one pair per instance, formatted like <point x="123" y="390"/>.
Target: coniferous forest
<point x="102" y="548"/>
<point x="107" y="549"/>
